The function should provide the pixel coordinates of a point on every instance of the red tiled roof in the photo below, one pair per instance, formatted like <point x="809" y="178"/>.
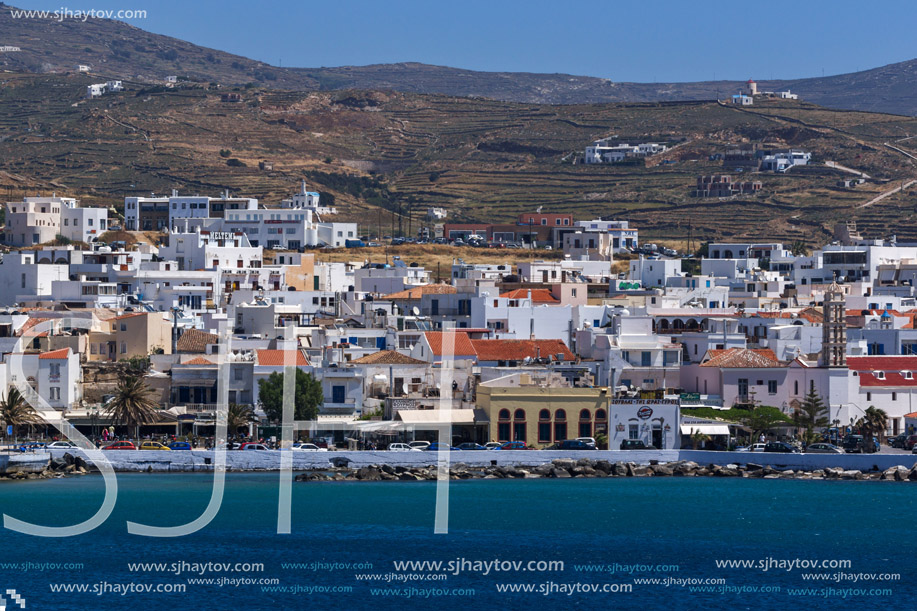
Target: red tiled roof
<point x="882" y="363"/>
<point x="195" y="340"/>
<point x="23" y="331"/>
<point x="198" y="360"/>
<point x="911" y="415"/>
<point x="276" y="358"/>
<point x="892" y="368"/>
<point x="387" y="357"/>
<point x="810" y="314"/>
<point x="461" y="347"/>
<point x="129" y="315"/>
<point x="63" y="353"/>
<point x="519" y="349"/>
<point x="742" y="358"/>
<point x="538" y="295"/>
<point x="419" y="291"/>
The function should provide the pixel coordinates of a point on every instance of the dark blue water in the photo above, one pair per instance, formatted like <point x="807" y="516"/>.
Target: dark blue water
<point x="688" y="524"/>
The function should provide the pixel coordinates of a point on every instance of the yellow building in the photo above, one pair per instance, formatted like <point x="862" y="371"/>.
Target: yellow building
<point x="542" y="416"/>
<point x="131" y="334"/>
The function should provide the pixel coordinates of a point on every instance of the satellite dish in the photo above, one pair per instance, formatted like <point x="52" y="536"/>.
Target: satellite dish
<point x="415" y="310"/>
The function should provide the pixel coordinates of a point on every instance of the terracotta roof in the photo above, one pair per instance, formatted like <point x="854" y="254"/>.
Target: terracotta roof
<point x="276" y="358"/>
<point x="129" y="315"/>
<point x="810" y="314"/>
<point x="63" y="353"/>
<point x="198" y="360"/>
<point x="31" y="323"/>
<point x="911" y="415"/>
<point x="742" y="358"/>
<point x="538" y="295"/>
<point x="387" y="357"/>
<point x="882" y="363"/>
<point x="419" y="291"/>
<point x="195" y="340"/>
<point x="518" y="349"/>
<point x="461" y="347"/>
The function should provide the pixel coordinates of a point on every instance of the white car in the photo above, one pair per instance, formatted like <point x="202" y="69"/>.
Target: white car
<point x="401" y="447"/>
<point x="307" y="447"/>
<point x="757" y="447"/>
<point x="62" y="445"/>
<point x="420" y="445"/>
<point x="492" y="445"/>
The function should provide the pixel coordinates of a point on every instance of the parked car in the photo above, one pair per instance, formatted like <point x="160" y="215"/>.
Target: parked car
<point x="853" y="444"/>
<point x="420" y="445"/>
<point x="153" y="445"/>
<point x="492" y="445"/>
<point x="232" y="445"/>
<point x="62" y="445"/>
<point x="35" y="446"/>
<point x="436" y="447"/>
<point x="121" y="445"/>
<point x="823" y="448"/>
<point x="253" y="446"/>
<point x="179" y="445"/>
<point x="512" y="445"/>
<point x="780" y="446"/>
<point x="757" y="447"/>
<point x="470" y="446"/>
<point x="910" y="442"/>
<point x="401" y="447"/>
<point x="572" y="444"/>
<point x="589" y="440"/>
<point x="898" y="441"/>
<point x="635" y="444"/>
<point x="307" y="447"/>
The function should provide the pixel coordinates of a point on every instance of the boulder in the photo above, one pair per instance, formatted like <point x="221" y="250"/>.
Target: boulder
<point x="664" y="470"/>
<point x="560" y="473"/>
<point x="585" y="462"/>
<point x="368" y="474"/>
<point x="604" y="465"/>
<point x="643" y="471"/>
<point x="564" y="463"/>
<point x="620" y="469"/>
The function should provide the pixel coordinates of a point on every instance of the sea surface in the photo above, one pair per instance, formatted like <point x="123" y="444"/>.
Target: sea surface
<point x="608" y="539"/>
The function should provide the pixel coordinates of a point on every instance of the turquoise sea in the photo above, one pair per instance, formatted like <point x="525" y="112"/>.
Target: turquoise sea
<point x="612" y="535"/>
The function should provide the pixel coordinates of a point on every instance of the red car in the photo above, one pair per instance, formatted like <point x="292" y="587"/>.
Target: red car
<point x="121" y="445"/>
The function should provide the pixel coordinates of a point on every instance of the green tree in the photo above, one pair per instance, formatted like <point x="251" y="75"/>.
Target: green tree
<point x="698" y="438"/>
<point x="132" y="404"/>
<point x="237" y="417"/>
<point x="873" y="424"/>
<point x="307" y="397"/>
<point x="763" y="418"/>
<point x="15" y="411"/>
<point x="811" y="415"/>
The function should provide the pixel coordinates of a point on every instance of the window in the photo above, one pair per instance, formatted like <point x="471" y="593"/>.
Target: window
<point x="237" y="373"/>
<point x="894" y="396"/>
<point x="503" y="426"/>
<point x="560" y="425"/>
<point x="633" y="431"/>
<point x="124" y="326"/>
<point x="123" y="347"/>
<point x="337" y="394"/>
<point x="544" y="426"/>
<point x="772" y="387"/>
<point x="585" y="423"/>
<point x="908" y="375"/>
<point x="601" y="421"/>
<point x="880" y="375"/>
<point x="519" y="425"/>
<point x="55" y="393"/>
<point x="869" y="396"/>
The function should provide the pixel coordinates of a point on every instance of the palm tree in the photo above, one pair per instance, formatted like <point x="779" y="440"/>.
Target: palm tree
<point x="132" y="404"/>
<point x="237" y="417"/>
<point x="698" y="438"/>
<point x="15" y="411"/>
<point x="873" y="423"/>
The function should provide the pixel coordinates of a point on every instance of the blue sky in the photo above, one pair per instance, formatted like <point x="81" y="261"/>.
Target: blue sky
<point x="643" y="41"/>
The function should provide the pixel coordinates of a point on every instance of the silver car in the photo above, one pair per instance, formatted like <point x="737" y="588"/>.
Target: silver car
<point x="823" y="448"/>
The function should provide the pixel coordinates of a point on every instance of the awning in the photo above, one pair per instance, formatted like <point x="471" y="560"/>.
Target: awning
<point x="436" y="417"/>
<point x="706" y="429"/>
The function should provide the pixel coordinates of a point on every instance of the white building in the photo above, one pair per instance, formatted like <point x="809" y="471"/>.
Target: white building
<point x="623" y="237"/>
<point x="37" y="220"/>
<point x="307" y="200"/>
